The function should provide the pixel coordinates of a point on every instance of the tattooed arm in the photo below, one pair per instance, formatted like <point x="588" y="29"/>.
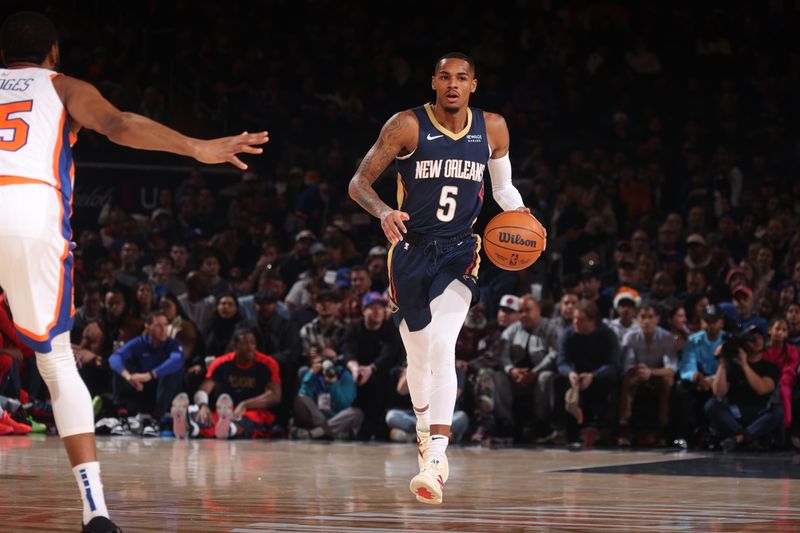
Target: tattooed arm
<point x="398" y="137"/>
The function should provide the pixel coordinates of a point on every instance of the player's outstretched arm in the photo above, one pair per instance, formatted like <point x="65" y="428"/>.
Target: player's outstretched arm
<point x="398" y="135"/>
<point x="90" y="109"/>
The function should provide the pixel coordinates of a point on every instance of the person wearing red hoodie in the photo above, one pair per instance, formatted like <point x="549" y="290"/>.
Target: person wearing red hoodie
<point x="786" y="358"/>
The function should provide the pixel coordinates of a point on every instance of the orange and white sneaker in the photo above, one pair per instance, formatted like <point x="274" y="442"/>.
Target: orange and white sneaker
<point x="423" y="445"/>
<point x="428" y="484"/>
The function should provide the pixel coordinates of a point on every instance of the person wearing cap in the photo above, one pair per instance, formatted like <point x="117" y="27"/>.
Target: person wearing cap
<point x="326" y="330"/>
<point x="650" y="361"/>
<point x="625" y="303"/>
<point x="528" y="366"/>
<point x="742" y="309"/>
<point x="370" y="348"/>
<point x="484" y="367"/>
<point x="299" y="259"/>
<point x="299" y="296"/>
<point x="590" y="289"/>
<point x="697" y="368"/>
<point x="697" y="255"/>
<point x="741" y="410"/>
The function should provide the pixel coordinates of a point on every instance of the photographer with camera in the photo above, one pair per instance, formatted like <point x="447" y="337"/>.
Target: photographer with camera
<point x="323" y="407"/>
<point x="740" y="410"/>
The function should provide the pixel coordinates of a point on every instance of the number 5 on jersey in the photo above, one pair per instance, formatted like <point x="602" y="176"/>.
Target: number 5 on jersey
<point x="447" y="203"/>
<point x="13" y="131"/>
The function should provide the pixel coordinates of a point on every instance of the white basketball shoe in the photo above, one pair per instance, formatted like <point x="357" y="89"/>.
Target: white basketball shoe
<point x="428" y="484"/>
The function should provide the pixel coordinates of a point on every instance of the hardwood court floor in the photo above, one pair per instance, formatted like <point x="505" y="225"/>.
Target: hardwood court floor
<point x="164" y="485"/>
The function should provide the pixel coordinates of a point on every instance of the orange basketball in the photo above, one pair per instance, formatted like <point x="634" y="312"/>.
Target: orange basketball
<point x="514" y="240"/>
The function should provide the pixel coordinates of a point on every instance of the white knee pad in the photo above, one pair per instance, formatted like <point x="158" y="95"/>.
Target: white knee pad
<point x="72" y="406"/>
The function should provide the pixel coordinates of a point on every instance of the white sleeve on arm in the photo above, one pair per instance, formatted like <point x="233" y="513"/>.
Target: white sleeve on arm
<point x="505" y="194"/>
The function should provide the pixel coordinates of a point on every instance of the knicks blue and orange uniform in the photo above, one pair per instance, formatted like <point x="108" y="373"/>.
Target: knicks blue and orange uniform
<point x="36" y="184"/>
<point x="440" y="186"/>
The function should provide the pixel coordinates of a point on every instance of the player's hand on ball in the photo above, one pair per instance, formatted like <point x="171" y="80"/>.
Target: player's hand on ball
<point x="524" y="209"/>
<point x="392" y="225"/>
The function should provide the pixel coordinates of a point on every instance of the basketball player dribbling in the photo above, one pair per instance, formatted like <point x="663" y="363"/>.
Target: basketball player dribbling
<point x="441" y="150"/>
<point x="40" y="113"/>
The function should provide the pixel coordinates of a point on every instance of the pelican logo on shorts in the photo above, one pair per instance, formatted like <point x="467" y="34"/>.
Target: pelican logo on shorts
<point x="514" y="238"/>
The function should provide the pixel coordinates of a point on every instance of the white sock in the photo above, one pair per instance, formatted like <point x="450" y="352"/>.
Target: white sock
<point x="94" y="502"/>
<point x="232" y="431"/>
<point x="438" y="446"/>
<point x="423" y="420"/>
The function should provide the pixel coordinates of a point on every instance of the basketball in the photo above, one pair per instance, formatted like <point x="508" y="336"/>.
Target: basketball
<point x="514" y="240"/>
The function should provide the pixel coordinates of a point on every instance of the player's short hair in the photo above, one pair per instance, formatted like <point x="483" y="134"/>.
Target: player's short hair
<point x="456" y="55"/>
<point x="27" y="36"/>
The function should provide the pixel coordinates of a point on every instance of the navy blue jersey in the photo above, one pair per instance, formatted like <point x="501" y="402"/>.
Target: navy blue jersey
<point x="440" y="184"/>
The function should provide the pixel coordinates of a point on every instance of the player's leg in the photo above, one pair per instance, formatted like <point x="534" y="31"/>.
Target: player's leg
<point x="36" y="275"/>
<point x="449" y="310"/>
<point x="72" y="409"/>
<point x="419" y="380"/>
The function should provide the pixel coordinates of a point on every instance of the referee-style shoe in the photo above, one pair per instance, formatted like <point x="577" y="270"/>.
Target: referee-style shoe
<point x="428" y="484"/>
<point x="100" y="524"/>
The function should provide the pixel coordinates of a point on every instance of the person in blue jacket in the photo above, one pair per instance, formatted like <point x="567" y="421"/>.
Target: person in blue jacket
<point x="148" y="369"/>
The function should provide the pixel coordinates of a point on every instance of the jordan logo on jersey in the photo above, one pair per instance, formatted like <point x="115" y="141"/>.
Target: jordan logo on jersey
<point x="451" y="168"/>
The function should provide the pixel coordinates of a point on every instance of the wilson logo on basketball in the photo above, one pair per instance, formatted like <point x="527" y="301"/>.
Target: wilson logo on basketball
<point x="513" y="238"/>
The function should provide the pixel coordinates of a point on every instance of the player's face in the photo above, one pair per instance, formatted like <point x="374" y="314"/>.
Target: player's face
<point x="453" y="82"/>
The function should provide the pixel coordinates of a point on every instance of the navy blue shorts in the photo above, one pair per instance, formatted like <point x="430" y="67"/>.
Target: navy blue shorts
<point x="421" y="268"/>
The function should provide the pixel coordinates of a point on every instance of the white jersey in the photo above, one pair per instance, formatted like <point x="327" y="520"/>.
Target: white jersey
<point x="36" y="182"/>
<point x="35" y="140"/>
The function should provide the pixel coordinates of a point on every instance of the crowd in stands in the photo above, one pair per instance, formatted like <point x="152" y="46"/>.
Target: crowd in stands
<point x="653" y="141"/>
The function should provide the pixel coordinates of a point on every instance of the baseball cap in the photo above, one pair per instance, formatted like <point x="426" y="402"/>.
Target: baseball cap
<point x="371" y="298"/>
<point x="742" y="289"/>
<point x="343" y="277"/>
<point x="266" y="295"/>
<point x="160" y="211"/>
<point x="696" y="238"/>
<point x="711" y="313"/>
<point x="327" y="295"/>
<point x="590" y="272"/>
<point x="377" y="250"/>
<point x="316" y="248"/>
<point x="732" y="272"/>
<point x="305" y="234"/>
<point x="627" y="293"/>
<point x="509" y="301"/>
